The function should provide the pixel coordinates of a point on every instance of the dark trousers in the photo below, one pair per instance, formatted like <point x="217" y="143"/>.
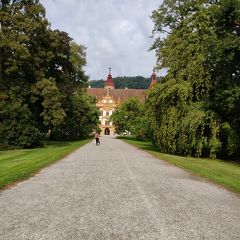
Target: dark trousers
<point x="97" y="141"/>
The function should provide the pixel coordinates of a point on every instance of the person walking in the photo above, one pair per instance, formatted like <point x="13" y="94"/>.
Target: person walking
<point x="97" y="138"/>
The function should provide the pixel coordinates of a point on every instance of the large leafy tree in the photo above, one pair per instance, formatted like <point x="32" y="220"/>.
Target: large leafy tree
<point x="225" y="96"/>
<point x="41" y="69"/>
<point x="193" y="110"/>
<point x="22" y="22"/>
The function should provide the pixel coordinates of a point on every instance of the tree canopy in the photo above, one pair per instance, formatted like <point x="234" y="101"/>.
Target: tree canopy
<point x="41" y="74"/>
<point x="194" y="110"/>
<point x="130" y="117"/>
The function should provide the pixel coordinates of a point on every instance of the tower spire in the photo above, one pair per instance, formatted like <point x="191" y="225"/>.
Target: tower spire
<point x="109" y="82"/>
<point x="154" y="78"/>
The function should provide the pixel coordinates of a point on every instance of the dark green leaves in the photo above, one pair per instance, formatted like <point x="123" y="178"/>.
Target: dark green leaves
<point x="40" y="72"/>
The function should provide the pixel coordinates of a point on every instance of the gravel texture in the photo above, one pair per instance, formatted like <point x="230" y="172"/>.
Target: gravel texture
<point x="115" y="191"/>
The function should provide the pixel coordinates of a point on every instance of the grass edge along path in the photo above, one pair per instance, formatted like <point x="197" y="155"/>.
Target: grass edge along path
<point x="18" y="165"/>
<point x="226" y="174"/>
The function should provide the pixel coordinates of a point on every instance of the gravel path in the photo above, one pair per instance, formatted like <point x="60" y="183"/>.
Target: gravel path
<point x="116" y="191"/>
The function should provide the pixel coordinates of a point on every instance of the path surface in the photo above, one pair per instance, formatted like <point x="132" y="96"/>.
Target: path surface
<point x="116" y="191"/>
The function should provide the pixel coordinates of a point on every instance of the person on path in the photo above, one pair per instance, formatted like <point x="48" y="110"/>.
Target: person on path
<point x="97" y="138"/>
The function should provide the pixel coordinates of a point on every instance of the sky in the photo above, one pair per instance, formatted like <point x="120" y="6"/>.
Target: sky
<point x="117" y="33"/>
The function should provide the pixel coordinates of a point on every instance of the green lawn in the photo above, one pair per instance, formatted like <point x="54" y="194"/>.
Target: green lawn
<point x="222" y="172"/>
<point x="16" y="165"/>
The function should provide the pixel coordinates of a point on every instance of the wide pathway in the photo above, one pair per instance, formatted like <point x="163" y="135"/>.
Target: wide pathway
<point x="116" y="191"/>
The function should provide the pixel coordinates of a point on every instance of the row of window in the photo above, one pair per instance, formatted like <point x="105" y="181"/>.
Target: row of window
<point x="106" y="113"/>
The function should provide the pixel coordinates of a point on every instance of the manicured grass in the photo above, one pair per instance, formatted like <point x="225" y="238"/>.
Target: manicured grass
<point x="222" y="172"/>
<point x="16" y="165"/>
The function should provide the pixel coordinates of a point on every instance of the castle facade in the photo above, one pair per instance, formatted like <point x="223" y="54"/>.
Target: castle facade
<point x="109" y="98"/>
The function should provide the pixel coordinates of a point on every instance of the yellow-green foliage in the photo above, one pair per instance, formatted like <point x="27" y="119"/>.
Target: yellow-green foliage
<point x="199" y="134"/>
<point x="181" y="126"/>
<point x="195" y="109"/>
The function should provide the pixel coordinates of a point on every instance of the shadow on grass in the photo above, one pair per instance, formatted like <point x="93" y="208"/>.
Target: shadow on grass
<point x="49" y="143"/>
<point x="150" y="147"/>
<point x="142" y="144"/>
<point x="55" y="143"/>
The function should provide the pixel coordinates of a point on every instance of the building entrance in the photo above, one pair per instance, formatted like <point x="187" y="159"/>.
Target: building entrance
<point x="107" y="131"/>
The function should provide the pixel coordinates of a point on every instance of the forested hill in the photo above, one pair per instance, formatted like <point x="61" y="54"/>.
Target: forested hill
<point x="137" y="82"/>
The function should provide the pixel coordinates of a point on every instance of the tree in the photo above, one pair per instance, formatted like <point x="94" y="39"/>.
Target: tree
<point x="224" y="99"/>
<point x="40" y="72"/>
<point x="47" y="93"/>
<point x="82" y="117"/>
<point x="17" y="128"/>
<point x="192" y="110"/>
<point x="130" y="117"/>
<point x="21" y="23"/>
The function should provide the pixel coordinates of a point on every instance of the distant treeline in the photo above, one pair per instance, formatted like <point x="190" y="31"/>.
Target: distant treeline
<point x="137" y="82"/>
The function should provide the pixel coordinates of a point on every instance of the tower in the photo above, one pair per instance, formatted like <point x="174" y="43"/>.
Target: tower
<point x="109" y="82"/>
<point x="154" y="78"/>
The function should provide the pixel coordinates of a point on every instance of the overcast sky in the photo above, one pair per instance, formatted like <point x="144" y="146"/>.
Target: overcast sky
<point x="115" y="32"/>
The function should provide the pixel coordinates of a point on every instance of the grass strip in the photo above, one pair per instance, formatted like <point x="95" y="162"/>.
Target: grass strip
<point x="17" y="165"/>
<point x="221" y="172"/>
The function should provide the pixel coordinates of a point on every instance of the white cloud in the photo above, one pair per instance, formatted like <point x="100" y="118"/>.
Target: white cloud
<point x="116" y="33"/>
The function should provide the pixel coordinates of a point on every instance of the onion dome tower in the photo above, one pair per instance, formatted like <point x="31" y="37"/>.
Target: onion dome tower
<point x="109" y="82"/>
<point x="154" y="79"/>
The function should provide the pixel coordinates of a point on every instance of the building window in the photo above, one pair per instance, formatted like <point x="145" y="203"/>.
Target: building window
<point x="107" y="113"/>
<point x="106" y="123"/>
